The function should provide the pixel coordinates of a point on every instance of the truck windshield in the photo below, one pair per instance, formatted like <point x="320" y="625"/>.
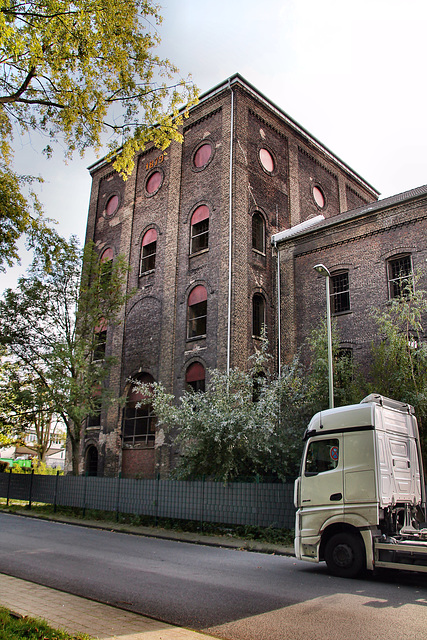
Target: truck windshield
<point x="322" y="455"/>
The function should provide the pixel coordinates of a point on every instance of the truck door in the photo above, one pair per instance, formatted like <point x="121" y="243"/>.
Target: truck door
<point x="321" y="490"/>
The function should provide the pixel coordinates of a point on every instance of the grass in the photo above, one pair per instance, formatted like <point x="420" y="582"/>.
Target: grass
<point x="270" y="535"/>
<point x="13" y="627"/>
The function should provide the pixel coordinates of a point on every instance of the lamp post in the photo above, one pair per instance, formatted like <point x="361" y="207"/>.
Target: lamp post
<point x="320" y="268"/>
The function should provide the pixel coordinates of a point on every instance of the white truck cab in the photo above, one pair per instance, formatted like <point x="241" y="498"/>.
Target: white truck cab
<point x="360" y="497"/>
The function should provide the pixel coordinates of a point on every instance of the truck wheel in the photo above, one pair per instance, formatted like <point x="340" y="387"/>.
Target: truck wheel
<point x="345" y="555"/>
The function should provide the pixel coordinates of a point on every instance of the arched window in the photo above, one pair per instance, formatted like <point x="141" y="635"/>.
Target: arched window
<point x="94" y="420"/>
<point x="400" y="276"/>
<point x="91" y="461"/>
<point x="106" y="265"/>
<point x="100" y="341"/>
<point x="258" y="315"/>
<point x="195" y="376"/>
<point x="139" y="423"/>
<point x="340" y="292"/>
<point x="107" y="255"/>
<point x="197" y="312"/>
<point x="199" y="229"/>
<point x="258" y="232"/>
<point x="148" y="252"/>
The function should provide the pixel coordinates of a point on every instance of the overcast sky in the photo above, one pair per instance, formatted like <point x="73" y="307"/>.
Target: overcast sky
<point x="351" y="73"/>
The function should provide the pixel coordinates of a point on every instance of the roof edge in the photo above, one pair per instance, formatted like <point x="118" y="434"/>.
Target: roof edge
<point x="351" y="214"/>
<point x="239" y="79"/>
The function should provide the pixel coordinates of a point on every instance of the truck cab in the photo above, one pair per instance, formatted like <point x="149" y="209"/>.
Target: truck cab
<point x="361" y="486"/>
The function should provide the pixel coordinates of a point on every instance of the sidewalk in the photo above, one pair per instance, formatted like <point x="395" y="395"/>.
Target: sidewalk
<point x="78" y="615"/>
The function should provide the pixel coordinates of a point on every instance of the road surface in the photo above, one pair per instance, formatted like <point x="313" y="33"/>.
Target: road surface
<point x="231" y="594"/>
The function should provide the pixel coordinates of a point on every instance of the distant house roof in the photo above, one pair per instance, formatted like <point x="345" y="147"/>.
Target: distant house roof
<point x="318" y="223"/>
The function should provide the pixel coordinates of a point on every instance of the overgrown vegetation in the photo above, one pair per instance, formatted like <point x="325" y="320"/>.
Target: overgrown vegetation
<point x="249" y="423"/>
<point x="399" y="355"/>
<point x="13" y="627"/>
<point x="245" y="423"/>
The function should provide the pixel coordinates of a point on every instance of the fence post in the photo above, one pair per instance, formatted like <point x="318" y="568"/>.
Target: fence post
<point x="118" y="496"/>
<point x="157" y="499"/>
<point x="84" y="494"/>
<point x="8" y="487"/>
<point x="31" y="489"/>
<point x="202" y="512"/>
<point x="56" y="492"/>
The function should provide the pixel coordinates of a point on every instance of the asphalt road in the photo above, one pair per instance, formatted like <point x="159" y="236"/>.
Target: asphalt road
<point x="232" y="594"/>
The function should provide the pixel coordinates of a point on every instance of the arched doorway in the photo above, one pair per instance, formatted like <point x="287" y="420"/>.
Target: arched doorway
<point x="92" y="461"/>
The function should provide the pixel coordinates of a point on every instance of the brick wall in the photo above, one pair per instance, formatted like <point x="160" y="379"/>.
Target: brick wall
<point x="362" y="246"/>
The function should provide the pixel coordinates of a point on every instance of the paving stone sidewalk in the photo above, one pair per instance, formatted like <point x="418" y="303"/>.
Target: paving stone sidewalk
<point x="78" y="615"/>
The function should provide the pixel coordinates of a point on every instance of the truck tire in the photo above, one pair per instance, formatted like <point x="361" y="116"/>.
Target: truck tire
<point x="345" y="555"/>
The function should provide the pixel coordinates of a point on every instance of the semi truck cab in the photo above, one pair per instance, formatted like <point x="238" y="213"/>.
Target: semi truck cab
<point x="360" y="496"/>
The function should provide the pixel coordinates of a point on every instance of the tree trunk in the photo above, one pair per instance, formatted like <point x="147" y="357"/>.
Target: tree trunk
<point x="74" y="440"/>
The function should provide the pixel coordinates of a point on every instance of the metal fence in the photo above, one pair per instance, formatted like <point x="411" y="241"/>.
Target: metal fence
<point x="239" y="503"/>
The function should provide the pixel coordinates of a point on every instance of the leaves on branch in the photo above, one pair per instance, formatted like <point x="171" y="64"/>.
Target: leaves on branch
<point x="49" y="324"/>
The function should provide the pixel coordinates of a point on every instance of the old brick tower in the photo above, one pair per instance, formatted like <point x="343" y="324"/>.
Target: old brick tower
<point x="195" y="224"/>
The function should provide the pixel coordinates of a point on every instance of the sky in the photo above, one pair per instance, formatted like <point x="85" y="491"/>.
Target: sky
<point x="351" y="73"/>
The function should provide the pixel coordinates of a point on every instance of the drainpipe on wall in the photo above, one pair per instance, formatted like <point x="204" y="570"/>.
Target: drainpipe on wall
<point x="275" y="239"/>
<point x="279" y="319"/>
<point x="230" y="232"/>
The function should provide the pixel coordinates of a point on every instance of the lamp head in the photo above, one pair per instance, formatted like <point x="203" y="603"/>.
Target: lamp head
<point x="320" y="268"/>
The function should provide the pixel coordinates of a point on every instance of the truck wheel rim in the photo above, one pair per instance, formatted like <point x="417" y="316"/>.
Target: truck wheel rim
<point x="343" y="555"/>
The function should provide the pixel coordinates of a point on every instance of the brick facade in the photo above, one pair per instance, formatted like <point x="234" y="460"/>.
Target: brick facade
<point x="360" y="242"/>
<point x="241" y="127"/>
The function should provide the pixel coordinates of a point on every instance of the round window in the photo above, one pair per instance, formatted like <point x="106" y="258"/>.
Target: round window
<point x="112" y="205"/>
<point x="202" y="155"/>
<point x="154" y="182"/>
<point x="319" y="197"/>
<point x="266" y="160"/>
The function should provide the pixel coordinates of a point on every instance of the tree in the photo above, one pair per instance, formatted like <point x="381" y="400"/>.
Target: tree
<point x="399" y="355"/>
<point x="51" y="326"/>
<point x="8" y="426"/>
<point x="349" y="384"/>
<point x="26" y="408"/>
<point x="77" y="71"/>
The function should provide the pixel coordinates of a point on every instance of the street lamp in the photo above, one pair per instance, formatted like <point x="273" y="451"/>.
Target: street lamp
<point x="320" y="268"/>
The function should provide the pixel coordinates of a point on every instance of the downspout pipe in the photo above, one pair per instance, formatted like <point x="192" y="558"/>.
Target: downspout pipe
<point x="230" y="231"/>
<point x="279" y="315"/>
<point x="275" y="240"/>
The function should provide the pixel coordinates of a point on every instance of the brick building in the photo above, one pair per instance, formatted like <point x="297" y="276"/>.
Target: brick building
<point x="370" y="252"/>
<point x="195" y="224"/>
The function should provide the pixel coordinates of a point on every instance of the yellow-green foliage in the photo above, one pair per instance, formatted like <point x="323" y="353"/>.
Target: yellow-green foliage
<point x="79" y="69"/>
<point x="80" y="73"/>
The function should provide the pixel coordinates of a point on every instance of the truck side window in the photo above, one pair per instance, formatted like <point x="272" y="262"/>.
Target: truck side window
<point x="322" y="455"/>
